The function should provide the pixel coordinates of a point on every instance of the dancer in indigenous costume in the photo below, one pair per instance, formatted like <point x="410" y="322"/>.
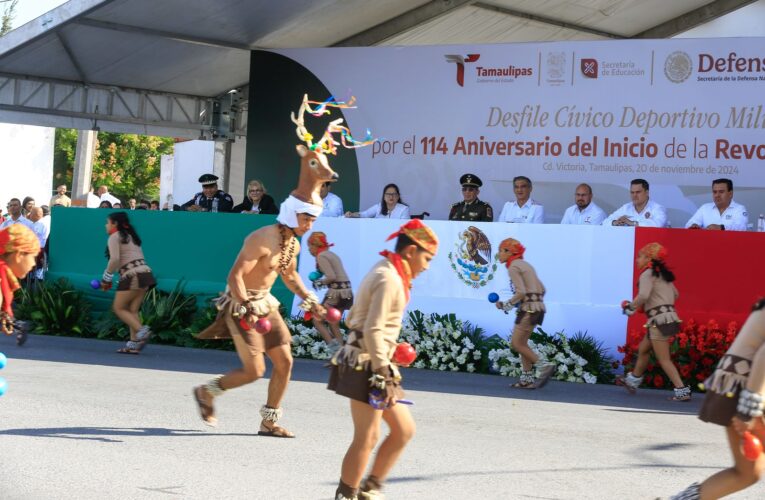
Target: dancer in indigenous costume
<point x="19" y="247"/>
<point x="528" y="297"/>
<point x="364" y="363"/>
<point x="735" y="400"/>
<point x="656" y="296"/>
<point x="267" y="253"/>
<point x="339" y="294"/>
<point x="135" y="278"/>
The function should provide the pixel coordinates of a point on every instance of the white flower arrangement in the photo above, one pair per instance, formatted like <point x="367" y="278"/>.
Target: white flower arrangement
<point x="570" y="366"/>
<point x="445" y="343"/>
<point x="307" y="342"/>
<point x="441" y="342"/>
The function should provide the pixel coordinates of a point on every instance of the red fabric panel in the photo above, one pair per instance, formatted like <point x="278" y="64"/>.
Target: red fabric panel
<point x="720" y="274"/>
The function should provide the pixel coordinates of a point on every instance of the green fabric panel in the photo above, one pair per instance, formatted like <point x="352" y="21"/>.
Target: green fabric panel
<point x="196" y="248"/>
<point x="277" y="85"/>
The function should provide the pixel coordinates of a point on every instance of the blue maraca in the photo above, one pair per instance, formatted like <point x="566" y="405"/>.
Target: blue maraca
<point x="3" y="360"/>
<point x="315" y="275"/>
<point x="95" y="284"/>
<point x="377" y="401"/>
<point x="3" y="386"/>
<point x="493" y="297"/>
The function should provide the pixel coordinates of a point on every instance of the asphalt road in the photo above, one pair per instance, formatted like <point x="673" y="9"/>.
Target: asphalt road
<point x="82" y="422"/>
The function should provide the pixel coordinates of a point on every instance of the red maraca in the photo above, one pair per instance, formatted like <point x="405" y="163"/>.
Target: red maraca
<point x="404" y="354"/>
<point x="625" y="304"/>
<point x="751" y="446"/>
<point x="334" y="315"/>
<point x="263" y="326"/>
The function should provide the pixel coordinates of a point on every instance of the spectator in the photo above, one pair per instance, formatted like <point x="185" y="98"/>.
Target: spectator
<point x="92" y="200"/>
<point x="60" y="198"/>
<point x="471" y="208"/>
<point x="40" y="229"/>
<point x="144" y="205"/>
<point x="391" y="206"/>
<point x="210" y="199"/>
<point x="584" y="211"/>
<point x="154" y="205"/>
<point x="523" y="209"/>
<point x="14" y="215"/>
<point x="723" y="213"/>
<point x="132" y="205"/>
<point x="117" y="205"/>
<point x="641" y="211"/>
<point x="27" y="205"/>
<point x="333" y="205"/>
<point x="104" y="194"/>
<point x="105" y="204"/>
<point x="257" y="201"/>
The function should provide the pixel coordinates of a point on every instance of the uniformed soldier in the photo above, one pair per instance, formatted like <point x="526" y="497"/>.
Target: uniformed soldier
<point x="471" y="208"/>
<point x="211" y="199"/>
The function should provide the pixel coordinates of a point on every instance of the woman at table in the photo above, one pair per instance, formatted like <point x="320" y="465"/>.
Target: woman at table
<point x="257" y="201"/>
<point x="390" y="207"/>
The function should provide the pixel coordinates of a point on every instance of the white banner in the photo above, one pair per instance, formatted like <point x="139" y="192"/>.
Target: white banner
<point x="678" y="113"/>
<point x="587" y="271"/>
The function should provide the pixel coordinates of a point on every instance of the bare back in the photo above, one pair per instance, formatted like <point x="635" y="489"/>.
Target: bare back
<point x="258" y="263"/>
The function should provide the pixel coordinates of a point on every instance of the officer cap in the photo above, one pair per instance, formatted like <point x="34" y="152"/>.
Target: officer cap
<point x="471" y="180"/>
<point x="208" y="179"/>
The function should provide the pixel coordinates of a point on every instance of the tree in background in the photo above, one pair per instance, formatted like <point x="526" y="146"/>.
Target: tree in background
<point x="9" y="12"/>
<point x="128" y="164"/>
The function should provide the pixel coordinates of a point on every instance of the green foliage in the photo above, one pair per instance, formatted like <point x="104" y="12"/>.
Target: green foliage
<point x="55" y="308"/>
<point x="167" y="313"/>
<point x="63" y="156"/>
<point x="128" y="164"/>
<point x="599" y="363"/>
<point x="6" y="24"/>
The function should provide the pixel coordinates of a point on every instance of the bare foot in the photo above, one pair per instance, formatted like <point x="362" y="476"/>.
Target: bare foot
<point x="205" y="403"/>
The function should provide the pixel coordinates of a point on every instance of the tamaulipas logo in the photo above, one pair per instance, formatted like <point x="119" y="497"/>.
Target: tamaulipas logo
<point x="460" y="61"/>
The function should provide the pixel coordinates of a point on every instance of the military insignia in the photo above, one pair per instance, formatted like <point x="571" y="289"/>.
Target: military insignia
<point x="648" y="215"/>
<point x="472" y="259"/>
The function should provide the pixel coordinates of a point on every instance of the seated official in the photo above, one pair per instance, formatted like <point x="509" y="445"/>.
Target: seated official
<point x="723" y="213"/>
<point x="641" y="211"/>
<point x="584" y="211"/>
<point x="211" y="199"/>
<point x="333" y="205"/>
<point x="523" y="210"/>
<point x="257" y="201"/>
<point x="471" y="208"/>
<point x="390" y="207"/>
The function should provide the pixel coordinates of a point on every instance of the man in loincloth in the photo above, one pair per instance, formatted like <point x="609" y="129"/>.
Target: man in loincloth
<point x="267" y="253"/>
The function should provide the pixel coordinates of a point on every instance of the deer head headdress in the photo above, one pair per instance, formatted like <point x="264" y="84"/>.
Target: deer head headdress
<point x="314" y="167"/>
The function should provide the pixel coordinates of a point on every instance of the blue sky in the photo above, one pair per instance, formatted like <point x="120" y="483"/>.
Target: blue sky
<point x="26" y="10"/>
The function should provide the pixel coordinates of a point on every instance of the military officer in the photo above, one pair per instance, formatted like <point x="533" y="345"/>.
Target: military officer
<point x="211" y="199"/>
<point x="471" y="208"/>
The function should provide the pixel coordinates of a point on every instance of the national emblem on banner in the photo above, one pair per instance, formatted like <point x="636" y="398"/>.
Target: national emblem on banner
<point x="472" y="259"/>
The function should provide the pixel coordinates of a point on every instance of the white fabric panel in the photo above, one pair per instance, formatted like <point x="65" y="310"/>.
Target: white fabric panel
<point x="587" y="272"/>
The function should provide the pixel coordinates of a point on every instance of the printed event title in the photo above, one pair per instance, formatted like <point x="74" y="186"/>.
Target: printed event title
<point x="532" y="117"/>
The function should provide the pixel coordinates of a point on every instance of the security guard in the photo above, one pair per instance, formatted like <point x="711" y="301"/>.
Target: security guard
<point x="211" y="199"/>
<point x="471" y="208"/>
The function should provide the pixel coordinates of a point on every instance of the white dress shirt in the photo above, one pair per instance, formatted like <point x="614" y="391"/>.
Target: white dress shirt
<point x="530" y="213"/>
<point x="592" y="215"/>
<point x="734" y="218"/>
<point x="21" y="220"/>
<point x="375" y="212"/>
<point x="333" y="206"/>
<point x="41" y="231"/>
<point x="110" y="198"/>
<point x="652" y="215"/>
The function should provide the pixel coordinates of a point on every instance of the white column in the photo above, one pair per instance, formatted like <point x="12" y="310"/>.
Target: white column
<point x="83" y="162"/>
